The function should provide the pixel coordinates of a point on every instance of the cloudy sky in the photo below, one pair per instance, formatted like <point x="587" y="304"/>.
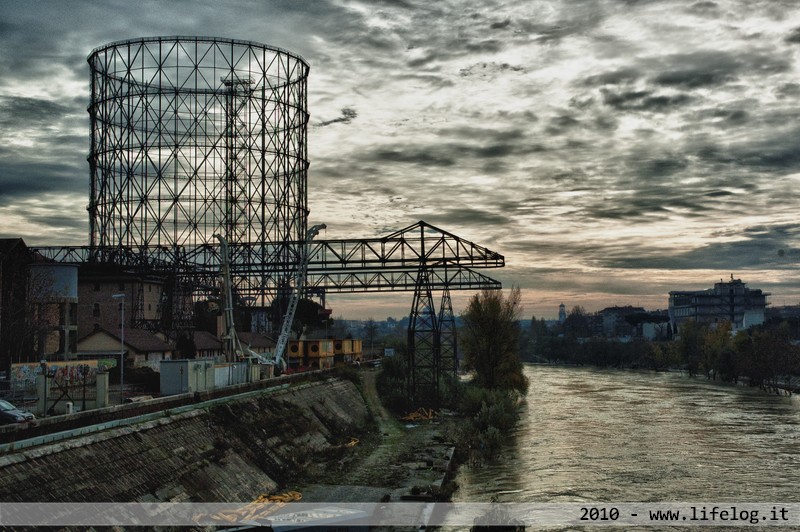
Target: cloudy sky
<point x="612" y="150"/>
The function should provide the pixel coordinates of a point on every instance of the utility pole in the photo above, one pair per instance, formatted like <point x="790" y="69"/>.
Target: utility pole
<point x="121" y="346"/>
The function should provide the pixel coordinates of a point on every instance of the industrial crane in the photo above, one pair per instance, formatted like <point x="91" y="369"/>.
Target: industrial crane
<point x="300" y="280"/>
<point x="233" y="344"/>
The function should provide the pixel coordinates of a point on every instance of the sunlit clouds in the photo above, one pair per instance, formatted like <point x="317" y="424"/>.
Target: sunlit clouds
<point x="611" y="150"/>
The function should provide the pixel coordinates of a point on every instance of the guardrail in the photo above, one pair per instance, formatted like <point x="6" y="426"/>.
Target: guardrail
<point x="10" y="434"/>
<point x="82" y="431"/>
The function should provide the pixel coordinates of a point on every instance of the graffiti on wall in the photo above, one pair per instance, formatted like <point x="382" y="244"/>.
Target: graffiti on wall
<point x="23" y="375"/>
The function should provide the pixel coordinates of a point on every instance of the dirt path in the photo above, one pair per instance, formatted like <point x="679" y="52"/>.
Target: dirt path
<point x="385" y="421"/>
<point x="398" y="459"/>
<point x="380" y="468"/>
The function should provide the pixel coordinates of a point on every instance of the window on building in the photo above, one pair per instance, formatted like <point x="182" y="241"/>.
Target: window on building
<point x="96" y="287"/>
<point x="96" y="310"/>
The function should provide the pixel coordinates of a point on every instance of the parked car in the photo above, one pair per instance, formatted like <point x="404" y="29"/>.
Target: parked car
<point x="11" y="414"/>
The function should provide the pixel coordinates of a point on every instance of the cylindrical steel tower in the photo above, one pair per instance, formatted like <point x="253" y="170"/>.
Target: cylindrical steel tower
<point x="193" y="136"/>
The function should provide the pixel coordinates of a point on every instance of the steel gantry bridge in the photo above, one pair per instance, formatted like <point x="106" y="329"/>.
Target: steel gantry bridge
<point x="193" y="137"/>
<point x="421" y="258"/>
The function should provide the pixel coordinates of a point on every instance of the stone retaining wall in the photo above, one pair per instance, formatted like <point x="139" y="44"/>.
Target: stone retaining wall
<point x="232" y="452"/>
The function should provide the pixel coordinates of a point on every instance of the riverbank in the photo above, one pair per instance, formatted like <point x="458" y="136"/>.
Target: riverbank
<point x="784" y="386"/>
<point x="236" y="448"/>
<point x="398" y="460"/>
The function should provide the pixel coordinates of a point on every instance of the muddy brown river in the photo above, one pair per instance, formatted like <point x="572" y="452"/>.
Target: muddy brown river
<point x="588" y="435"/>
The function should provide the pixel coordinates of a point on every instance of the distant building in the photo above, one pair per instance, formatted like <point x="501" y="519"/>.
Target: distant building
<point x="207" y="345"/>
<point x="142" y="348"/>
<point x="785" y="312"/>
<point x="97" y="283"/>
<point x="562" y="313"/>
<point x="15" y="259"/>
<point x="38" y="306"/>
<point x="728" y="301"/>
<point x="612" y="322"/>
<point x="257" y="342"/>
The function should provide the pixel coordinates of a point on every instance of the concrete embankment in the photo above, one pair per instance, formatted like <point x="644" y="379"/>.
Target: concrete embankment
<point x="232" y="451"/>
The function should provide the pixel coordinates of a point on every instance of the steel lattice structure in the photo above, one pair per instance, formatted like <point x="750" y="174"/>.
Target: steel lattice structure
<point x="193" y="136"/>
<point x="385" y="264"/>
<point x="197" y="136"/>
<point x="424" y="346"/>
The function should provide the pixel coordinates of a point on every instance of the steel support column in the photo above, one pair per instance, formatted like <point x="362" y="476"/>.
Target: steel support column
<point x="423" y="346"/>
<point x="447" y="334"/>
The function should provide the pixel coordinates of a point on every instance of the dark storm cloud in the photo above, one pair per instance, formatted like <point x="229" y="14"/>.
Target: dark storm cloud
<point x="578" y="20"/>
<point x="486" y="46"/>
<point x="759" y="247"/>
<point x="794" y="36"/>
<point x="707" y="68"/>
<point x="488" y="70"/>
<point x="664" y="167"/>
<point x="430" y="57"/>
<point x="427" y="79"/>
<point x="76" y="221"/>
<point x="22" y="179"/>
<point x="643" y="100"/>
<point x="348" y="115"/>
<point x="397" y="3"/>
<point x="444" y="31"/>
<point x="581" y="252"/>
<point x="644" y="206"/>
<point x="614" y="77"/>
<point x="466" y="216"/>
<point x="782" y="156"/>
<point x="50" y="34"/>
<point x="605" y="123"/>
<point x="704" y="8"/>
<point x="730" y="117"/>
<point x="20" y="112"/>
<point x="457" y="47"/>
<point x="421" y="155"/>
<point x="492" y="135"/>
<point x="501" y="25"/>
<point x="773" y="151"/>
<point x="44" y="40"/>
<point x="459" y="147"/>
<point x="561" y="125"/>
<point x="789" y="90"/>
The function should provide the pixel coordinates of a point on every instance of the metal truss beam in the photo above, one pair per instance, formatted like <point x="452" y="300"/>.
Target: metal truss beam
<point x="384" y="264"/>
<point x="417" y="244"/>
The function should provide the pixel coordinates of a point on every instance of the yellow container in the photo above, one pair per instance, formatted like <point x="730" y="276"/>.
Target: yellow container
<point x="295" y="348"/>
<point x="319" y="348"/>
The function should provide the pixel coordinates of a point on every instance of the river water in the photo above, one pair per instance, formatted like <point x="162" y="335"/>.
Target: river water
<point x="590" y="435"/>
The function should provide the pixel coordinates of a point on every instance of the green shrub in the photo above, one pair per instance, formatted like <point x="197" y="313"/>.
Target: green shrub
<point x="391" y="384"/>
<point x="348" y="373"/>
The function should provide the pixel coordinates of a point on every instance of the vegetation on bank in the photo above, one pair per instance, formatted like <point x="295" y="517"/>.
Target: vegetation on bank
<point x="483" y="415"/>
<point x="762" y="356"/>
<point x="490" y="339"/>
<point x="486" y="405"/>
